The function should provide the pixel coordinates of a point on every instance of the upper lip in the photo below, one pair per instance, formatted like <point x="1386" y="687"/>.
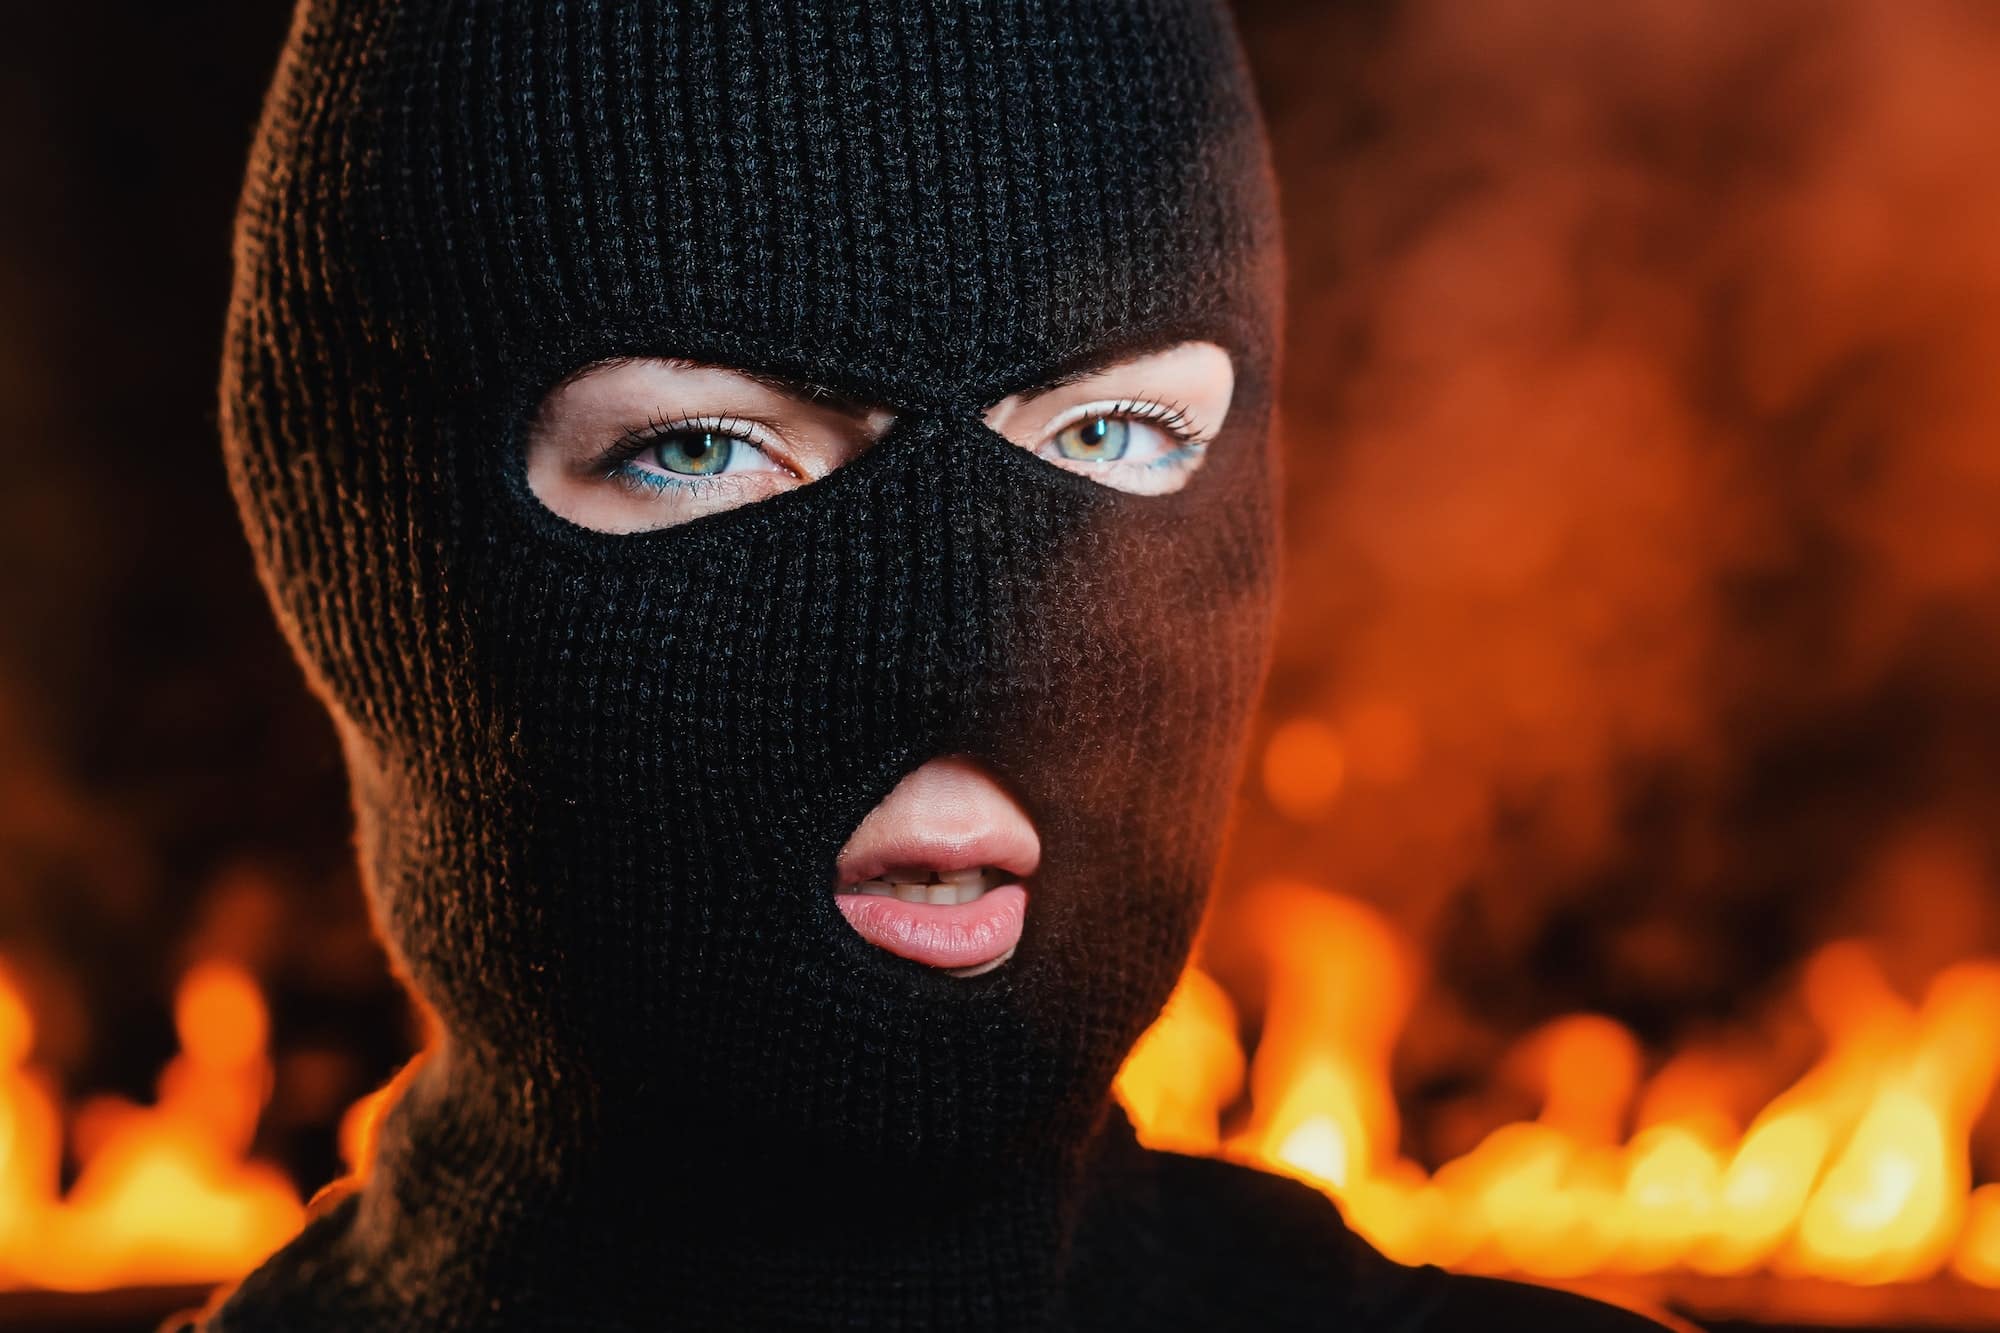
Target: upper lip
<point x="924" y="850"/>
<point x="947" y="821"/>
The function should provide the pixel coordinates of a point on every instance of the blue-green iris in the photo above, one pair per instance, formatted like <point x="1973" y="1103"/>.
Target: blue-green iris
<point x="1096" y="440"/>
<point x="694" y="453"/>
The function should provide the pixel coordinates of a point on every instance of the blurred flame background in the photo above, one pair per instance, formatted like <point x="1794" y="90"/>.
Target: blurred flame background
<point x="1613" y="890"/>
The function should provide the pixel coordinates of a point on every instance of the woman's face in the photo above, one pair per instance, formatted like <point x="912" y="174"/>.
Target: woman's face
<point x="632" y="445"/>
<point x="940" y="871"/>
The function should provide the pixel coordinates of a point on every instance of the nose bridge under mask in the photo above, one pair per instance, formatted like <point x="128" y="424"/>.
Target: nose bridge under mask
<point x="855" y="625"/>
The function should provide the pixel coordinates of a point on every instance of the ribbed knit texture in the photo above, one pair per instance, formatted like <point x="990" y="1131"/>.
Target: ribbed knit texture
<point x="601" y="781"/>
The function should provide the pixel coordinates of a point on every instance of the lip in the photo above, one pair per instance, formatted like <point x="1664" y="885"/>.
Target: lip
<point x="958" y="937"/>
<point x="948" y="815"/>
<point x="925" y="847"/>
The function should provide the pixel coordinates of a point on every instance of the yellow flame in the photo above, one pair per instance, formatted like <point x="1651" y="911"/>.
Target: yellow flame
<point x="1859" y="1172"/>
<point x="1978" y="1258"/>
<point x="1185" y="1069"/>
<point x="165" y="1195"/>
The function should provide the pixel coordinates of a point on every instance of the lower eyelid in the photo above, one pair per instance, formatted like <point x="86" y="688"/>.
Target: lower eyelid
<point x="631" y="477"/>
<point x="1176" y="446"/>
<point x="629" y="449"/>
<point x="1132" y="476"/>
<point x="631" y="474"/>
<point x="1184" y="456"/>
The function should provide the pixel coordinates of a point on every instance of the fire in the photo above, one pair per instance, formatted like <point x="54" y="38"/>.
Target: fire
<point x="165" y="1193"/>
<point x="1860" y="1172"/>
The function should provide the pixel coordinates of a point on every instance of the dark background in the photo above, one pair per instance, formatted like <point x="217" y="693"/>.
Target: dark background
<point x="1643" y="563"/>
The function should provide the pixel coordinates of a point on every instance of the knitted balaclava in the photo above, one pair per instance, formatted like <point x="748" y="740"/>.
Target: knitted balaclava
<point x="601" y="780"/>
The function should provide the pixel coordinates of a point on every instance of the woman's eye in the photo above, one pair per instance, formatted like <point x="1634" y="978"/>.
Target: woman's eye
<point x="1141" y="447"/>
<point x="693" y="453"/>
<point x="1143" y="426"/>
<point x="633" y="444"/>
<point x="683" y="457"/>
<point x="1097" y="440"/>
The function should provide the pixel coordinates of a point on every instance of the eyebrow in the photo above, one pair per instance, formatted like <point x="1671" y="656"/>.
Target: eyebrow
<point x="1075" y="375"/>
<point x="1089" y="370"/>
<point x="847" y="405"/>
<point x="806" y="391"/>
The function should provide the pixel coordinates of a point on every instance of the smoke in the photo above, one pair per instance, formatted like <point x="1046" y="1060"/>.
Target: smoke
<point x="1644" y="578"/>
<point x="1643" y="435"/>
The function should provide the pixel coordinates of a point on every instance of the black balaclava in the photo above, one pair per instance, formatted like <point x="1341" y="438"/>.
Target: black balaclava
<point x="601" y="780"/>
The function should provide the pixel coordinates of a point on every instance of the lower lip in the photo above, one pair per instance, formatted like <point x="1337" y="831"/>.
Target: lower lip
<point x="958" y="935"/>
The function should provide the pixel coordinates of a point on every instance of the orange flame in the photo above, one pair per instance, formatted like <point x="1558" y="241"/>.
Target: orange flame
<point x="165" y="1194"/>
<point x="1860" y="1172"/>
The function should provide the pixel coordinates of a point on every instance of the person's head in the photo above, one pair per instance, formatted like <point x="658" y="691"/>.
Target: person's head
<point x="663" y="427"/>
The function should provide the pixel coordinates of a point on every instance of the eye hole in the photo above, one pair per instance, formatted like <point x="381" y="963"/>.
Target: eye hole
<point x="632" y="444"/>
<point x="1142" y="426"/>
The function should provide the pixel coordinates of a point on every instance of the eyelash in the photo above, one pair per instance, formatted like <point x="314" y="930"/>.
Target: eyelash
<point x="618" y="461"/>
<point x="1174" y="418"/>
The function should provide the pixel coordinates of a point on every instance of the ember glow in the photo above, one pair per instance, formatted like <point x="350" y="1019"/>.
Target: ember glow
<point x="1857" y="1172"/>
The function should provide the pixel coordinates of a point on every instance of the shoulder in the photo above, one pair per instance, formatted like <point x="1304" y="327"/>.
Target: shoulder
<point x="1494" y="1306"/>
<point x="310" y="1283"/>
<point x="1169" y="1241"/>
<point x="1197" y="1242"/>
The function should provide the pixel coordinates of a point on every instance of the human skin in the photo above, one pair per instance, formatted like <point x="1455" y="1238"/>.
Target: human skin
<point x="643" y="443"/>
<point x="581" y="463"/>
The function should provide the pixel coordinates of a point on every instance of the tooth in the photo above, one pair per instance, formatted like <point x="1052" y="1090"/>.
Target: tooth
<point x="878" y="888"/>
<point x="970" y="892"/>
<point x="944" y="895"/>
<point x="913" y="893"/>
<point x="969" y="875"/>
